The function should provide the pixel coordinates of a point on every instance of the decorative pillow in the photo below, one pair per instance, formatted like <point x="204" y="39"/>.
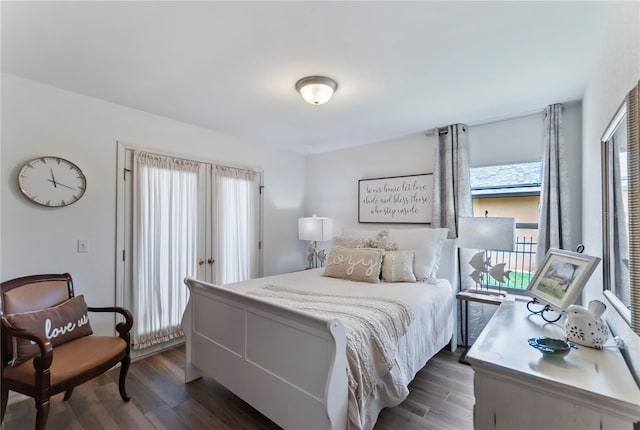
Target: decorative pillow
<point x="360" y="242"/>
<point x="361" y="264"/>
<point x="60" y="324"/>
<point x="427" y="246"/>
<point x="397" y="266"/>
<point x="350" y="242"/>
<point x="382" y="243"/>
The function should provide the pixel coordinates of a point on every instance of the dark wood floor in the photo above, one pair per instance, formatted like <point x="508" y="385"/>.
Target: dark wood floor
<point x="441" y="397"/>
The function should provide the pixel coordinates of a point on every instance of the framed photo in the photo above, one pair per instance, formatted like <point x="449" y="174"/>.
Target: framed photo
<point x="561" y="277"/>
<point x="396" y="199"/>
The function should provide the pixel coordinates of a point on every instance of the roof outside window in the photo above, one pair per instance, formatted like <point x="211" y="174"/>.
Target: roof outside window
<point x="510" y="180"/>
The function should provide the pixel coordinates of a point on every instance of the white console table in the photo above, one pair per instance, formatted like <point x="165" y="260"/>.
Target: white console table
<point x="516" y="388"/>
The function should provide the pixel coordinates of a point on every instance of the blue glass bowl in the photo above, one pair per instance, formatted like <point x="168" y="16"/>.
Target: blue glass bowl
<point x="550" y="347"/>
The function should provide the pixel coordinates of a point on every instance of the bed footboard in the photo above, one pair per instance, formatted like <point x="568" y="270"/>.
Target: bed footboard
<point x="288" y="365"/>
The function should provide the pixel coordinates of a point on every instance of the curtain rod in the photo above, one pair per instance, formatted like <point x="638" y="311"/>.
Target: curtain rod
<point x="434" y="131"/>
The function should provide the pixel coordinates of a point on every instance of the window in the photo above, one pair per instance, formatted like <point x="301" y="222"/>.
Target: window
<point x="511" y="190"/>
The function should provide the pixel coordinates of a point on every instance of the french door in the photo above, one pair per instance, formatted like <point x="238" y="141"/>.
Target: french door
<point x="178" y="218"/>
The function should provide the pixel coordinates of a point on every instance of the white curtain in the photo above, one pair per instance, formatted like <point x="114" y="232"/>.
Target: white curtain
<point x="553" y="231"/>
<point x="164" y="244"/>
<point x="237" y="213"/>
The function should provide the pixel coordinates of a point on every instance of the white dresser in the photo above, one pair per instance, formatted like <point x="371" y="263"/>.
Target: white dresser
<point x="516" y="388"/>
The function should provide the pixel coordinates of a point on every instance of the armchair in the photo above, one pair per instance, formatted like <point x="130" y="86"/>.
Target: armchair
<point x="76" y="361"/>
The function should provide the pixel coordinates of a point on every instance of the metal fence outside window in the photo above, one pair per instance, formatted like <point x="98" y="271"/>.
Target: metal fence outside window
<point x="521" y="263"/>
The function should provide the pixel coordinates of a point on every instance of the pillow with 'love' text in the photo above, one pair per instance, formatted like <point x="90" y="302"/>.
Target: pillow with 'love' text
<point x="60" y="324"/>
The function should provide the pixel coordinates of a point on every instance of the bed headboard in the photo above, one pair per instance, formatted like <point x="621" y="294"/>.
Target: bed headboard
<point x="448" y="268"/>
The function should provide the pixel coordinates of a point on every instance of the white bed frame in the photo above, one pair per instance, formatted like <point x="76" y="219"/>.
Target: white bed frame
<point x="288" y="365"/>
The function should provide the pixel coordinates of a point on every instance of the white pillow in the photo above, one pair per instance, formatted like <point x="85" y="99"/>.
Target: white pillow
<point x="397" y="266"/>
<point x="426" y="244"/>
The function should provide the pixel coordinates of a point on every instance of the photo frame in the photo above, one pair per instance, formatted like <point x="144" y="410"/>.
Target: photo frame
<point x="396" y="199"/>
<point x="561" y="277"/>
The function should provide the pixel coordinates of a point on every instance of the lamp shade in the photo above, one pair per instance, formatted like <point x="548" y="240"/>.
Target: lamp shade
<point x="496" y="233"/>
<point x="314" y="228"/>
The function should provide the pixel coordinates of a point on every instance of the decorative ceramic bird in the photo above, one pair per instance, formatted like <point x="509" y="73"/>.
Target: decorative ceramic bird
<point x="585" y="327"/>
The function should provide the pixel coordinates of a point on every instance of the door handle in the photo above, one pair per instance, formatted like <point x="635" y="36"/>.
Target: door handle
<point x="211" y="261"/>
<point x="200" y="263"/>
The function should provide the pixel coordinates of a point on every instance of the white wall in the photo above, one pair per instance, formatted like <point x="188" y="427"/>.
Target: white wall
<point x="42" y="120"/>
<point x="616" y="72"/>
<point x="517" y="140"/>
<point x="332" y="178"/>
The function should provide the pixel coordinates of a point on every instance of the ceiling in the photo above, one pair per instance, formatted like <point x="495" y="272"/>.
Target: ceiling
<point x="402" y="67"/>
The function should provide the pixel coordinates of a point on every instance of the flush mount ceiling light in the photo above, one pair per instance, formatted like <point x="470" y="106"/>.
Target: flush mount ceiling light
<point x="316" y="90"/>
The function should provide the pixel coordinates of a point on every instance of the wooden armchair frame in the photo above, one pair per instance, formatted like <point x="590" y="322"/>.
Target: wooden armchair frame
<point x="42" y="389"/>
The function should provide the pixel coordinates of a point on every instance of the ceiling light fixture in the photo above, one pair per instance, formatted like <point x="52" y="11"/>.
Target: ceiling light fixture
<point x="316" y="90"/>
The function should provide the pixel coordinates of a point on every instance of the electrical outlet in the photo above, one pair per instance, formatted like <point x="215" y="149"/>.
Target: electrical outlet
<point x="83" y="245"/>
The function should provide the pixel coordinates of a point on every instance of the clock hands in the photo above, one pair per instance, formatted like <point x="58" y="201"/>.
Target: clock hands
<point x="58" y="183"/>
<point x="55" y="184"/>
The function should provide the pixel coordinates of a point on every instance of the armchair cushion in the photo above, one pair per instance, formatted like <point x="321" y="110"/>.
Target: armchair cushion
<point x="60" y="324"/>
<point x="71" y="359"/>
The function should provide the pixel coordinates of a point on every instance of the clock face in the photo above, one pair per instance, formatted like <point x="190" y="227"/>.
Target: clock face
<point x="52" y="181"/>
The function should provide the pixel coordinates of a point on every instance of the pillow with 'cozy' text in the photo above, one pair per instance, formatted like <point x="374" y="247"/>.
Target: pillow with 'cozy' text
<point x="356" y="264"/>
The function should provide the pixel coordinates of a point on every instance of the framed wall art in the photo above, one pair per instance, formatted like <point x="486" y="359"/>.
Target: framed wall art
<point x="561" y="277"/>
<point x="396" y="199"/>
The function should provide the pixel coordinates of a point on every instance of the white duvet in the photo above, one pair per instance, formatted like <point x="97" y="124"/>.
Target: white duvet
<point x="431" y="329"/>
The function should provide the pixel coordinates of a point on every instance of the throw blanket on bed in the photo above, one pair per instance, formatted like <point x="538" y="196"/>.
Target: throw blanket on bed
<point x="373" y="327"/>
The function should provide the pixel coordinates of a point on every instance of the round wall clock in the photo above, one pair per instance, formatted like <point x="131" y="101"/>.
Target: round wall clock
<point x="52" y="181"/>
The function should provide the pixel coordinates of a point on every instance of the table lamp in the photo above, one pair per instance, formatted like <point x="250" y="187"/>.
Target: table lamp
<point x="315" y="229"/>
<point x="487" y="233"/>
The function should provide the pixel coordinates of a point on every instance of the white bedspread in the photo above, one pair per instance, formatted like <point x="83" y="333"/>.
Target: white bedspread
<point x="373" y="326"/>
<point x="431" y="329"/>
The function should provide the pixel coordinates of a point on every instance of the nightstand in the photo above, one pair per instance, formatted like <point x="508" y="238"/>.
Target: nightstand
<point x="490" y="297"/>
<point x="516" y="387"/>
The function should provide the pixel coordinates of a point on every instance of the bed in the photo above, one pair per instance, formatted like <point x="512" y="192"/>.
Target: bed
<point x="290" y="364"/>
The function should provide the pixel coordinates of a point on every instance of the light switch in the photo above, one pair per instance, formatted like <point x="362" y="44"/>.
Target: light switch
<point x="83" y="245"/>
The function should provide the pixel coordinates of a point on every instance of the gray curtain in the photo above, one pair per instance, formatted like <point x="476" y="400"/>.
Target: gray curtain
<point x="452" y="199"/>
<point x="451" y="178"/>
<point x="554" y="220"/>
